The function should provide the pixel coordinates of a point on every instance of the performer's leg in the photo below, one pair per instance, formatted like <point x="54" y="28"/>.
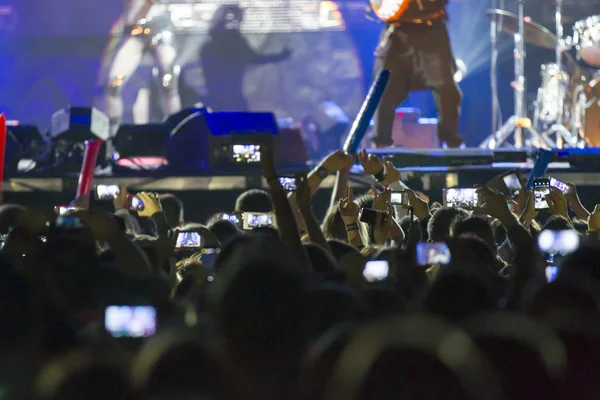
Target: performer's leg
<point x="447" y="99"/>
<point x="125" y="62"/>
<point x="164" y="55"/>
<point x="395" y="93"/>
<point x="439" y="67"/>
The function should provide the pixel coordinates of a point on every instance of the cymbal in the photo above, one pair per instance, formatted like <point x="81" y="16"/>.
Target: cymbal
<point x="535" y="34"/>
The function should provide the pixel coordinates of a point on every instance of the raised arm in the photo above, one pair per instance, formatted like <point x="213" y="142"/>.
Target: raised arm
<point x="303" y="197"/>
<point x="286" y="221"/>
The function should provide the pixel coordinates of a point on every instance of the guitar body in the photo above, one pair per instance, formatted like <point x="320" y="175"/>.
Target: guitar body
<point x="390" y="10"/>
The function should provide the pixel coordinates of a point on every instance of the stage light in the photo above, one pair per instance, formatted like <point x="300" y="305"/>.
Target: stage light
<point x="461" y="70"/>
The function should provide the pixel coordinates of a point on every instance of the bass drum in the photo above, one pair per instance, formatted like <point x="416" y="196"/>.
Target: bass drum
<point x="587" y="112"/>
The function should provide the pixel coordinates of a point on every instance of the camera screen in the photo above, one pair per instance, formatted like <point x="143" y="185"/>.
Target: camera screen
<point x="189" y="240"/>
<point x="246" y="153"/>
<point x="107" y="192"/>
<point x="513" y="184"/>
<point x="376" y="270"/>
<point x="541" y="188"/>
<point x="258" y="220"/>
<point x="559" y="185"/>
<point x="433" y="253"/>
<point x="464" y="198"/>
<point x="130" y="321"/>
<point x="399" y="198"/>
<point x="289" y="184"/>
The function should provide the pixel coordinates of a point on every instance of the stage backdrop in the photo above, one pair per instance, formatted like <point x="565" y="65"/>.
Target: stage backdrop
<point x="53" y="53"/>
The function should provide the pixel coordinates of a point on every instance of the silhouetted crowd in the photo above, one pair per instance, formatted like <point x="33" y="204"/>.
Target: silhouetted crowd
<point x="263" y="301"/>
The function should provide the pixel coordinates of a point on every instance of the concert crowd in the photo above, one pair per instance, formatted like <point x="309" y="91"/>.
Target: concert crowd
<point x="376" y="301"/>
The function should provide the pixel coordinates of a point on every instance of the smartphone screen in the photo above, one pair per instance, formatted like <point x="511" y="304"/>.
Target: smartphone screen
<point x="558" y="243"/>
<point x="255" y="220"/>
<point x="245" y="153"/>
<point x="551" y="272"/>
<point x="68" y="222"/>
<point x="288" y="183"/>
<point x="107" y="192"/>
<point x="134" y="203"/>
<point x="465" y="198"/>
<point x="61" y="210"/>
<point x="436" y="253"/>
<point x="233" y="218"/>
<point x="130" y="321"/>
<point x="541" y="188"/>
<point x="513" y="184"/>
<point x="399" y="199"/>
<point x="189" y="240"/>
<point x="559" y="185"/>
<point x="376" y="270"/>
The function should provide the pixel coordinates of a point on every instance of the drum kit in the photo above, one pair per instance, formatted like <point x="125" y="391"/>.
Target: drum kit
<point x="567" y="107"/>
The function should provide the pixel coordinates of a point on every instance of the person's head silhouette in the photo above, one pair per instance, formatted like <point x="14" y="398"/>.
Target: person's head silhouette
<point x="228" y="17"/>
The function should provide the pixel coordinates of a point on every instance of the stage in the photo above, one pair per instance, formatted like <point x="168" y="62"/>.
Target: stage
<point x="209" y="191"/>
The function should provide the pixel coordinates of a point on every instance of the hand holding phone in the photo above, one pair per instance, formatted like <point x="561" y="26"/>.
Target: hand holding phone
<point x="563" y="187"/>
<point x="541" y="189"/>
<point x="369" y="216"/>
<point x="399" y="199"/>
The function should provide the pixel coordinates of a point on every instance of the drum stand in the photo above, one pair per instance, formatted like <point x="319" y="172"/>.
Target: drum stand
<point x="558" y="129"/>
<point x="518" y="123"/>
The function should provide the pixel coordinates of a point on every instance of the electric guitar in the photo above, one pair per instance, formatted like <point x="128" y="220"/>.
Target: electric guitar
<point x="390" y="10"/>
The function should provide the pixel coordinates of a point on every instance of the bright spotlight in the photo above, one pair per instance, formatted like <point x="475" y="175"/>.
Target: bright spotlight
<point x="461" y="70"/>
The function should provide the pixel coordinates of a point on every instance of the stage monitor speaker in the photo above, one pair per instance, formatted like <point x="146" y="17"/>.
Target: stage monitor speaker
<point x="204" y="140"/>
<point x="78" y="124"/>
<point x="148" y="140"/>
<point x="172" y="121"/>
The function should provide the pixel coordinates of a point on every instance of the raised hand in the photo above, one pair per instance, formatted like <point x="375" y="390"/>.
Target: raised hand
<point x="337" y="161"/>
<point x="370" y="163"/>
<point x="383" y="225"/>
<point x="594" y="219"/>
<point x="382" y="199"/>
<point x="303" y="192"/>
<point x="494" y="204"/>
<point x="151" y="204"/>
<point x="391" y="173"/>
<point x="349" y="209"/>
<point x="120" y="202"/>
<point x="557" y="203"/>
<point x="529" y="212"/>
<point x="418" y="205"/>
<point x="267" y="162"/>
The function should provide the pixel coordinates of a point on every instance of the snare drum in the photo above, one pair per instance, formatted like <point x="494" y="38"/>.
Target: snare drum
<point x="550" y="103"/>
<point x="586" y="37"/>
